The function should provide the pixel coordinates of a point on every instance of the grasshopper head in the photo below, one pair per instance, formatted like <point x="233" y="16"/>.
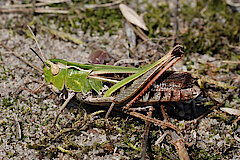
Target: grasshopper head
<point x="177" y="51"/>
<point x="54" y="67"/>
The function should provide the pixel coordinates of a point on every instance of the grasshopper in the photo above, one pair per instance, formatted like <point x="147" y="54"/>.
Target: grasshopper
<point x="146" y="86"/>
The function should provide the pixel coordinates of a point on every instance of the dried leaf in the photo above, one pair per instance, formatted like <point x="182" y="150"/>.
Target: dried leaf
<point x="132" y="16"/>
<point x="232" y="111"/>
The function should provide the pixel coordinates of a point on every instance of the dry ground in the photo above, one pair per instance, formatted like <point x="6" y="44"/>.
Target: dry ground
<point x="26" y="117"/>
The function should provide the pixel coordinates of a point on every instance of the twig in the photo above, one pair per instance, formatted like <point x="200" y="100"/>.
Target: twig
<point x="142" y="33"/>
<point x="37" y="10"/>
<point x="156" y="121"/>
<point x="23" y="86"/>
<point x="21" y="58"/>
<point x="142" y="36"/>
<point x="36" y="4"/>
<point x="164" y="113"/>
<point x="231" y="62"/>
<point x="39" y="87"/>
<point x="145" y="136"/>
<point x="175" y="24"/>
<point x="179" y="144"/>
<point x="91" y="6"/>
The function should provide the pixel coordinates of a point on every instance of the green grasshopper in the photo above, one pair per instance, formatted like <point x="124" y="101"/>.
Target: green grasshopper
<point x="148" y="85"/>
<point x="144" y="87"/>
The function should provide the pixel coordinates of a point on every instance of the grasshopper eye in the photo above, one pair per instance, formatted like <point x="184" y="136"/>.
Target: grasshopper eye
<point x="54" y="69"/>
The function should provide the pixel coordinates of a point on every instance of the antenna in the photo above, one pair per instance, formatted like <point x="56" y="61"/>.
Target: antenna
<point x="43" y="57"/>
<point x="37" y="55"/>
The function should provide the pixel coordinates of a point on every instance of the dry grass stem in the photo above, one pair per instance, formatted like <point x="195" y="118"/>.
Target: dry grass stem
<point x="142" y="36"/>
<point x="36" y="10"/>
<point x="21" y="58"/>
<point x="36" y="4"/>
<point x="231" y="62"/>
<point x="91" y="6"/>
